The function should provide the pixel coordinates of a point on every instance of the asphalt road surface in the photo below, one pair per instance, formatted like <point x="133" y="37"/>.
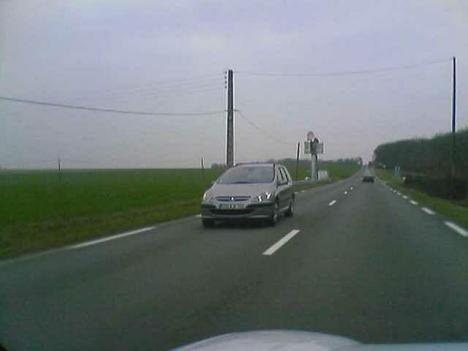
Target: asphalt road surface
<point x="360" y="262"/>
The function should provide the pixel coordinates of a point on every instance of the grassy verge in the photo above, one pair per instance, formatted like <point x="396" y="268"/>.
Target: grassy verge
<point x="43" y="209"/>
<point x="336" y="171"/>
<point x="444" y="207"/>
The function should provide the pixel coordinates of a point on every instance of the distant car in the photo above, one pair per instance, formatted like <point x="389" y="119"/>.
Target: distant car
<point x="368" y="178"/>
<point x="261" y="191"/>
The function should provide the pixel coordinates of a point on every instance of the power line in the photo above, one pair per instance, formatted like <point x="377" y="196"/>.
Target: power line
<point x="109" y="110"/>
<point x="164" y="93"/>
<point x="167" y="83"/>
<point x="342" y="73"/>
<point x="217" y="82"/>
<point x="254" y="125"/>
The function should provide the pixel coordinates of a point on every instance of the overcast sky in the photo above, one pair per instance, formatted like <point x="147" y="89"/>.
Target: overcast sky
<point x="169" y="56"/>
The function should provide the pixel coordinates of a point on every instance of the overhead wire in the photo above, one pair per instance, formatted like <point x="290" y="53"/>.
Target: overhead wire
<point x="108" y="110"/>
<point x="153" y="91"/>
<point x="166" y="83"/>
<point x="261" y="130"/>
<point x="342" y="73"/>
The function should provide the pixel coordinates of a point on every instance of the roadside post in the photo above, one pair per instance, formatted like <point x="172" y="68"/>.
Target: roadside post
<point x="297" y="160"/>
<point x="313" y="147"/>
<point x="202" y="164"/>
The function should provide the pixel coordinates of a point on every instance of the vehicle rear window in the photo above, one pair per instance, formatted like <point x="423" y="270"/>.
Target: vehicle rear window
<point x="247" y="175"/>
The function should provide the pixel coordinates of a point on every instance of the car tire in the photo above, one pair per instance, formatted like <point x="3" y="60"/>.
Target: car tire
<point x="208" y="223"/>
<point x="275" y="216"/>
<point x="290" y="211"/>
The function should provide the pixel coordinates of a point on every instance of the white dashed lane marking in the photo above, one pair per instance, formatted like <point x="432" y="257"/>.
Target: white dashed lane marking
<point x="456" y="228"/>
<point x="428" y="211"/>
<point x="109" y="238"/>
<point x="275" y="247"/>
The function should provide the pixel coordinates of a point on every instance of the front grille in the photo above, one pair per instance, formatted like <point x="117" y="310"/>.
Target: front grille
<point x="232" y="198"/>
<point x="242" y="211"/>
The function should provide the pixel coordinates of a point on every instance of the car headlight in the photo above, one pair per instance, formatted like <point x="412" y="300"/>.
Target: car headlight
<point x="207" y="196"/>
<point x="265" y="196"/>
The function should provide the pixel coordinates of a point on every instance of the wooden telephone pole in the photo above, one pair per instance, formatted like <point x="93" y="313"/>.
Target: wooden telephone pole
<point x="230" y="122"/>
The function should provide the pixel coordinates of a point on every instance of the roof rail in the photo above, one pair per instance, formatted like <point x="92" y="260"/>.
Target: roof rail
<point x="255" y="163"/>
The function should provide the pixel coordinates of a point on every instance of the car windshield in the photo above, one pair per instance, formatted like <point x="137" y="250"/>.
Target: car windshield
<point x="247" y="175"/>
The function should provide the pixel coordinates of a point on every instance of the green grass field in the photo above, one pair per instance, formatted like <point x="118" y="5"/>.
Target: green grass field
<point x="336" y="171"/>
<point x="444" y="207"/>
<point x="45" y="209"/>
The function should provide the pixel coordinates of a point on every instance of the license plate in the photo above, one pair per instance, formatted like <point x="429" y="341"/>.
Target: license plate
<point x="231" y="206"/>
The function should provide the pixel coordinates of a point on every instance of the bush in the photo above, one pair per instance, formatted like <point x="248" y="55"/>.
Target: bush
<point x="428" y="156"/>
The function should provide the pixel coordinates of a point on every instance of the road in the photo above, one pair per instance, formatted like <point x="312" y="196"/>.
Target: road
<point x="363" y="263"/>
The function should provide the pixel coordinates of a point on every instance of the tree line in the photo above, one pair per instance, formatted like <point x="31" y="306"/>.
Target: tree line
<point x="431" y="157"/>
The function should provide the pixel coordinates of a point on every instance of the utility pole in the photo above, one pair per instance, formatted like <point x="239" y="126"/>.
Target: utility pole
<point x="297" y="160"/>
<point x="230" y="122"/>
<point x="202" y="163"/>
<point x="59" y="170"/>
<point x="454" y="110"/>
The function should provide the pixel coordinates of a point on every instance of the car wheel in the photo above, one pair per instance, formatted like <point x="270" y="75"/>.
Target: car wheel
<point x="275" y="216"/>
<point x="208" y="223"/>
<point x="290" y="211"/>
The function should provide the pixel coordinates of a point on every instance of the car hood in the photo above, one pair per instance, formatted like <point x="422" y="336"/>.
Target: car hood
<point x="279" y="340"/>
<point x="240" y="189"/>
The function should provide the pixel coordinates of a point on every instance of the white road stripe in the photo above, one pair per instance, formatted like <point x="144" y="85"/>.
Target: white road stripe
<point x="456" y="228"/>
<point x="412" y="202"/>
<point x="332" y="203"/>
<point x="108" y="238"/>
<point x="405" y="197"/>
<point x="272" y="249"/>
<point x="428" y="211"/>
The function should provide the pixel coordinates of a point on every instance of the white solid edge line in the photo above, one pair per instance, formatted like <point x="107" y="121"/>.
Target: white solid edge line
<point x="273" y="248"/>
<point x="428" y="211"/>
<point x="332" y="203"/>
<point x="412" y="202"/>
<point x="108" y="238"/>
<point x="456" y="228"/>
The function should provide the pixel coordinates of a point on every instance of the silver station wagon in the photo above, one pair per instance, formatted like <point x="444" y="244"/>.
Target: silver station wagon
<point x="249" y="191"/>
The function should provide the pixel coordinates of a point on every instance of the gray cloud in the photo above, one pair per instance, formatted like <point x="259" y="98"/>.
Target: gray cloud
<point x="125" y="54"/>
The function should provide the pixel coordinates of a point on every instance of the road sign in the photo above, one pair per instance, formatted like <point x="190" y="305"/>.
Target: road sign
<point x="307" y="147"/>
<point x="313" y="147"/>
<point x="318" y="148"/>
